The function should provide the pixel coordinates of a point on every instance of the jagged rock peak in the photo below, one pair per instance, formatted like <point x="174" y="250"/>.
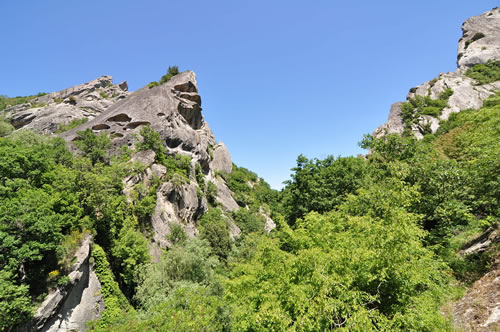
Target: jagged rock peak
<point x="173" y="109"/>
<point x="480" y="41"/>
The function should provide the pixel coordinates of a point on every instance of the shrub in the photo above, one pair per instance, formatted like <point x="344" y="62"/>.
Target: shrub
<point x="215" y="230"/>
<point x="485" y="73"/>
<point x="5" y="128"/>
<point x="177" y="234"/>
<point x="153" y="84"/>
<point x="93" y="146"/>
<point x="171" y="72"/>
<point x="73" y="124"/>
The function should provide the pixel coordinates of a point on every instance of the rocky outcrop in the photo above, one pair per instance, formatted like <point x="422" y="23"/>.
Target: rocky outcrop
<point x="176" y="204"/>
<point x="47" y="113"/>
<point x="173" y="109"/>
<point x="480" y="40"/>
<point x="467" y="94"/>
<point x="221" y="159"/>
<point x="70" y="307"/>
<point x="479" y="309"/>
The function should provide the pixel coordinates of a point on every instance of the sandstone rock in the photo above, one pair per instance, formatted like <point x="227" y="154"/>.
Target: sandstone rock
<point x="394" y="123"/>
<point x="224" y="196"/>
<point x="222" y="160"/>
<point x="69" y="308"/>
<point x="480" y="41"/>
<point x="46" y="113"/>
<point x="466" y="94"/>
<point x="176" y="204"/>
<point x="164" y="108"/>
<point x="479" y="309"/>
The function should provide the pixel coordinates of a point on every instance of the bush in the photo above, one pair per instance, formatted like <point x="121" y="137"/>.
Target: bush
<point x="5" y="128"/>
<point x="171" y="72"/>
<point x="73" y="124"/>
<point x="215" y="230"/>
<point x="93" y="146"/>
<point x="485" y="73"/>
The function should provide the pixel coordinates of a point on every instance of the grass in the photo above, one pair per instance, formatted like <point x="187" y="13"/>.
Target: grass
<point x="73" y="124"/>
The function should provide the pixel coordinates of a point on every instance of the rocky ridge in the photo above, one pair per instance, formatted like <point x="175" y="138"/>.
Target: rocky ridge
<point x="47" y="113"/>
<point x="479" y="44"/>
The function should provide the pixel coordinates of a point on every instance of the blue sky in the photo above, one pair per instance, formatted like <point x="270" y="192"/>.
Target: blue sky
<point x="277" y="78"/>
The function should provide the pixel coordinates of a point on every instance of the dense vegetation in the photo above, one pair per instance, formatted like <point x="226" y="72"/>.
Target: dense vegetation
<point x="362" y="243"/>
<point x="485" y="73"/>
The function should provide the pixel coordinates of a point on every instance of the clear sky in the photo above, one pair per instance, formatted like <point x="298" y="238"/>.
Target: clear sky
<point x="277" y="78"/>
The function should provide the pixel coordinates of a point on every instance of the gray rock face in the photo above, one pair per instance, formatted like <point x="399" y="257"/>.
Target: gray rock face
<point x="466" y="93"/>
<point x="46" y="113"/>
<point x="222" y="160"/>
<point x="176" y="204"/>
<point x="480" y="41"/>
<point x="394" y="123"/>
<point x="173" y="109"/>
<point x="69" y="308"/>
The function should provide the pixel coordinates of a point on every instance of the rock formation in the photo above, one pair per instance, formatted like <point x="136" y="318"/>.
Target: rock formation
<point x="479" y="44"/>
<point x="45" y="114"/>
<point x="173" y="109"/>
<point x="69" y="308"/>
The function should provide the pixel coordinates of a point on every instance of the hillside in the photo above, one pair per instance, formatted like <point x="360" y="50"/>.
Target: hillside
<point x="120" y="211"/>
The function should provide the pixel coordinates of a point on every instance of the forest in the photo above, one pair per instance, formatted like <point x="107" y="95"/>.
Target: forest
<point x="362" y="243"/>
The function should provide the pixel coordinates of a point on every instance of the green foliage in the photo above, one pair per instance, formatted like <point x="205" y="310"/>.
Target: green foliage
<point x="247" y="221"/>
<point x="485" y="73"/>
<point x="114" y="300"/>
<point x="73" y="124"/>
<point x="171" y="72"/>
<point x="15" y="304"/>
<point x="153" y="84"/>
<point x="103" y="95"/>
<point x="477" y="36"/>
<point x="177" y="234"/>
<point x="214" y="229"/>
<point x="211" y="193"/>
<point x="357" y="272"/>
<point x="249" y="190"/>
<point x="5" y="128"/>
<point x="415" y="107"/>
<point x="190" y="261"/>
<point x="7" y="102"/>
<point x="93" y="146"/>
<point x="130" y="251"/>
<point x="320" y="185"/>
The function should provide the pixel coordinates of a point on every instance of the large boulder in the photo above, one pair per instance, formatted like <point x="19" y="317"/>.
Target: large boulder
<point x="480" y="41"/>
<point x="221" y="159"/>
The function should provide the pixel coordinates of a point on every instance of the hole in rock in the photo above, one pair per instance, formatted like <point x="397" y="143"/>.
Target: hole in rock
<point x="100" y="126"/>
<point x="133" y="125"/>
<point x="122" y="117"/>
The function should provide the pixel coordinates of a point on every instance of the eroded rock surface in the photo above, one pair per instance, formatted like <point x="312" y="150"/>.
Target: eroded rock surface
<point x="480" y="40"/>
<point x="467" y="94"/>
<point x="70" y="307"/>
<point x="45" y="114"/>
<point x="479" y="309"/>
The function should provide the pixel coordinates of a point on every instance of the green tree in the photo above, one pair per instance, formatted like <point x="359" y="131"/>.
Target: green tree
<point x="93" y="146"/>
